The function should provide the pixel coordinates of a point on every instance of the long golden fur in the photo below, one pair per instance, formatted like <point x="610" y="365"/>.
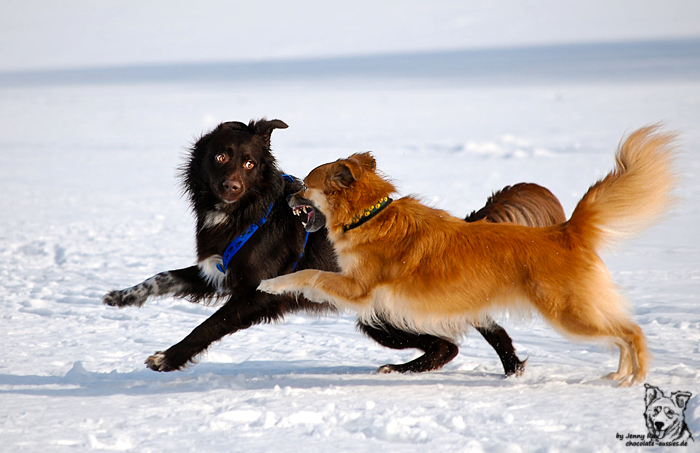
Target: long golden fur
<point x="430" y="272"/>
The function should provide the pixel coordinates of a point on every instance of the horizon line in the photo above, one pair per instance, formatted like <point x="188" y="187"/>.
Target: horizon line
<point x="463" y="62"/>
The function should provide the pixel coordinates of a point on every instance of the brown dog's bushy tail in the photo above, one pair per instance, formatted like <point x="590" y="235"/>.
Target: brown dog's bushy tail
<point x="632" y="196"/>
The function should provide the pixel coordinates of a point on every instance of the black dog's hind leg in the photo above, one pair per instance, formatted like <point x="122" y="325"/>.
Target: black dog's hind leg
<point x="187" y="282"/>
<point x="438" y="351"/>
<point x="240" y="312"/>
<point x="501" y="342"/>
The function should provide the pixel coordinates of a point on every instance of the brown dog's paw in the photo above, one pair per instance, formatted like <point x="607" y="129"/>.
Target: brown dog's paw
<point x="273" y="286"/>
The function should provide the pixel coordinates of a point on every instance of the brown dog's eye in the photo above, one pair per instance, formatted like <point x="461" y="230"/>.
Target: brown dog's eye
<point x="248" y="165"/>
<point x="221" y="158"/>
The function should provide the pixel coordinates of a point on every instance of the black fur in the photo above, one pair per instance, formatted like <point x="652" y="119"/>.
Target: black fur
<point x="216" y="172"/>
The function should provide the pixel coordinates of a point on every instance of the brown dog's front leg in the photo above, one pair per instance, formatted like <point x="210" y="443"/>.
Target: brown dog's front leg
<point x="290" y="284"/>
<point x="319" y="287"/>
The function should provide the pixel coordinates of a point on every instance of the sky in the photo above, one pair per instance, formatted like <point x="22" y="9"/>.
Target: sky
<point x="45" y="34"/>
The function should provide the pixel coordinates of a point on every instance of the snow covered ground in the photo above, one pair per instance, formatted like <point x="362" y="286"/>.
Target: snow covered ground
<point x="90" y="202"/>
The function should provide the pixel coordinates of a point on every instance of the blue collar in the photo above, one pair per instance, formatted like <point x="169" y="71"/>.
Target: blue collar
<point x="239" y="241"/>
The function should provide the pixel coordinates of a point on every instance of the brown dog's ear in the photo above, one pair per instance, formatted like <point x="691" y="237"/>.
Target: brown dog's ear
<point x="366" y="160"/>
<point x="345" y="172"/>
<point x="263" y="128"/>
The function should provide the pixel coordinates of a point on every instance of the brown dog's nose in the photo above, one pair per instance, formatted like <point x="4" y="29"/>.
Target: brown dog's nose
<point x="232" y="186"/>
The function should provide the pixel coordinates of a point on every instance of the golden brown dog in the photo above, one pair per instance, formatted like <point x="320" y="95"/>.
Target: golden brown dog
<point x="428" y="271"/>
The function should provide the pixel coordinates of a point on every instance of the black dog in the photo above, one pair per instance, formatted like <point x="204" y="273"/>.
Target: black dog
<point x="246" y="233"/>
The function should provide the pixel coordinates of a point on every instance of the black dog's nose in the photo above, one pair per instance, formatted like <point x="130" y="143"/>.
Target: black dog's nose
<point x="232" y="186"/>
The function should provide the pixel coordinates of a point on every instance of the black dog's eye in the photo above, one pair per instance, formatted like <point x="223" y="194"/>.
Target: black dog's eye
<point x="221" y="158"/>
<point x="249" y="164"/>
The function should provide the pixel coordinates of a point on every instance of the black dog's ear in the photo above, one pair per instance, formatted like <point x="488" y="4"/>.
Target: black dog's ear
<point x="234" y="125"/>
<point x="199" y="147"/>
<point x="681" y="398"/>
<point x="263" y="128"/>
<point x="652" y="394"/>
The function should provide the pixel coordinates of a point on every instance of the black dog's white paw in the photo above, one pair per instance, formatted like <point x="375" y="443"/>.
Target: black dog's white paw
<point x="157" y="362"/>
<point x="386" y="369"/>
<point x="125" y="298"/>
<point x="162" y="361"/>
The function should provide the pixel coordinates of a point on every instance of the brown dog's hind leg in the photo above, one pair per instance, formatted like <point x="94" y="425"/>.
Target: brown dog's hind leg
<point x="639" y="354"/>
<point x="603" y="319"/>
<point x="438" y="352"/>
<point x="624" y="368"/>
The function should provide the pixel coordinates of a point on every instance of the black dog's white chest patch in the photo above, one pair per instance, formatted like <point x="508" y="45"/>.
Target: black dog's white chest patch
<point x="213" y="219"/>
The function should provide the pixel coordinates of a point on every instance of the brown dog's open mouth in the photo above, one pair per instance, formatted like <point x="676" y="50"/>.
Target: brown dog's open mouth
<point x="311" y="218"/>
<point x="305" y="210"/>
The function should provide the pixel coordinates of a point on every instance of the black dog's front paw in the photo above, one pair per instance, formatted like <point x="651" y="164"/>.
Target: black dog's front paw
<point x="124" y="298"/>
<point x="159" y="362"/>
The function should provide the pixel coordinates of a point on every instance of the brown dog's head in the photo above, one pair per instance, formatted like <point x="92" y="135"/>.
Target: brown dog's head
<point x="231" y="161"/>
<point x="335" y="192"/>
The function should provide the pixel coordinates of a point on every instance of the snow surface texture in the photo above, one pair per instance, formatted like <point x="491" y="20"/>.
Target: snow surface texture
<point x="90" y="203"/>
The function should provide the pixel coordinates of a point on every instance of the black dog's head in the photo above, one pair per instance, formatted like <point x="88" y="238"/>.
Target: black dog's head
<point x="232" y="163"/>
